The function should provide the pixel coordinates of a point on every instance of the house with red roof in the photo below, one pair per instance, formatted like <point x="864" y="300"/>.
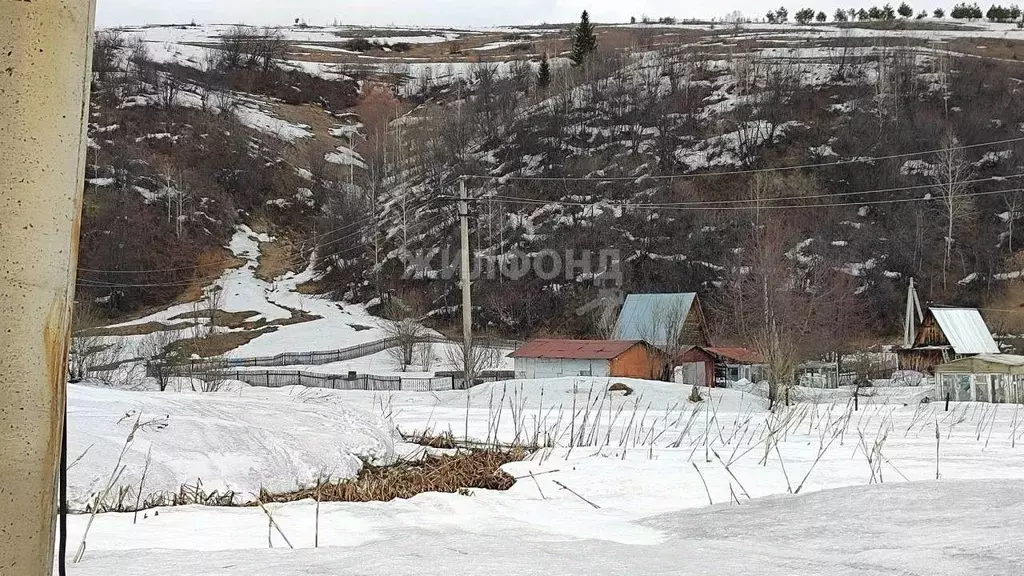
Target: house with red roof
<point x="550" y="358"/>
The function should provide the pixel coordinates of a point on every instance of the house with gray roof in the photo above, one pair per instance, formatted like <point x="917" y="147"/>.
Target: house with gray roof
<point x="946" y="335"/>
<point x="667" y="321"/>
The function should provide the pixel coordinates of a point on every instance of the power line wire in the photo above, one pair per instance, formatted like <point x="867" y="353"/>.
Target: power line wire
<point x="315" y="240"/>
<point x="91" y="283"/>
<point x="859" y="160"/>
<point x="734" y="208"/>
<point x="761" y="200"/>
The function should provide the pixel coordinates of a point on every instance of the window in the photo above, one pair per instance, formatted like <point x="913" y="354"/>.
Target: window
<point x="948" y="386"/>
<point x="963" y="388"/>
<point x="999" y="389"/>
<point x="982" y="388"/>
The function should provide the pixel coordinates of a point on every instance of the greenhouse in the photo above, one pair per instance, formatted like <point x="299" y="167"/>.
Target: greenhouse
<point x="997" y="378"/>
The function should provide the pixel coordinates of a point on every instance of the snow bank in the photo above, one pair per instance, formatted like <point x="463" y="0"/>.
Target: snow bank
<point x="881" y="529"/>
<point x="229" y="441"/>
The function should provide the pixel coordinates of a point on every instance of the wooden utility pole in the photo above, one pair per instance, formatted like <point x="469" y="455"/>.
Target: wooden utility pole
<point x="467" y="298"/>
<point x="45" y="61"/>
<point x="912" y="316"/>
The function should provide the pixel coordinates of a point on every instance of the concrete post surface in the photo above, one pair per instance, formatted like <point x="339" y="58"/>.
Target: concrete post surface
<point x="45" y="61"/>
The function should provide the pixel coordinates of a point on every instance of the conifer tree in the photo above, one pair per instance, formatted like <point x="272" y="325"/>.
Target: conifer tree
<point x="544" y="74"/>
<point x="584" y="41"/>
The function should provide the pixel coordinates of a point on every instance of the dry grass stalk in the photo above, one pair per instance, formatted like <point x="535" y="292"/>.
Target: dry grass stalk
<point x="575" y="493"/>
<point x="703" y="481"/>
<point x="445" y="473"/>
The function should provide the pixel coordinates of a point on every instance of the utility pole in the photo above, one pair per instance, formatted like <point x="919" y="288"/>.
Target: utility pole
<point x="467" y="296"/>
<point x="45" y="61"/>
<point x="912" y="317"/>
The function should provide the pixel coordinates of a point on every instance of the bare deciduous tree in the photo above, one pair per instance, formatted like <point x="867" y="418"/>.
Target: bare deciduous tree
<point x="952" y="171"/>
<point x="472" y="362"/>
<point x="407" y="333"/>
<point x="668" y="332"/>
<point x="790" y="305"/>
<point x="424" y="355"/>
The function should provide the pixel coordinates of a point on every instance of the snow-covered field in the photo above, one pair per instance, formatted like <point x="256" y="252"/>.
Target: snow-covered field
<point x="936" y="528"/>
<point x="640" y="482"/>
<point x="229" y="441"/>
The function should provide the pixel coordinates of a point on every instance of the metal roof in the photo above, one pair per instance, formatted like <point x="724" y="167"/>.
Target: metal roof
<point x="965" y="330"/>
<point x="1005" y="359"/>
<point x="639" y="318"/>
<point x="984" y="364"/>
<point x="740" y="355"/>
<point x="575" y="349"/>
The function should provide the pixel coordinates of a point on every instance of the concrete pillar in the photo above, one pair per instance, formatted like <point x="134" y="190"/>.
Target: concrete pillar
<point x="45" y="60"/>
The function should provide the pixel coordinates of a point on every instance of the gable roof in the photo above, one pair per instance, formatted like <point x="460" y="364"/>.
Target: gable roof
<point x="640" y="318"/>
<point x="739" y="355"/>
<point x="965" y="330"/>
<point x="575" y="349"/>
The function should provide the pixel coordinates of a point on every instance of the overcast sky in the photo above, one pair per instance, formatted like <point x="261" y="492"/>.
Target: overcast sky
<point x="434" y="12"/>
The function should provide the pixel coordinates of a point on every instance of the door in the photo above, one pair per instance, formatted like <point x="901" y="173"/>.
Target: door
<point x="692" y="373"/>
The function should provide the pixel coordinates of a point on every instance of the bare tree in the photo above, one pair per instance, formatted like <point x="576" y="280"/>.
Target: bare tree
<point x="407" y="333"/>
<point x="209" y="66"/>
<point x="669" y="332"/>
<point x="1014" y="203"/>
<point x="424" y="355"/>
<point x="472" y="362"/>
<point x="214" y="300"/>
<point x="167" y="88"/>
<point x="952" y="171"/>
<point x="790" y="305"/>
<point x="251" y="48"/>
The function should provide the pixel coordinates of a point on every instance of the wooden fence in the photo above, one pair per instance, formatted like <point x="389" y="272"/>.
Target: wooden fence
<point x="280" y="378"/>
<point x="212" y="373"/>
<point x="351" y="353"/>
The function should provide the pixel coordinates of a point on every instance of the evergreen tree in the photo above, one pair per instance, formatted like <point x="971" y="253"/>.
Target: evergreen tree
<point x="840" y="15"/>
<point x="939" y="13"/>
<point x="804" y="16"/>
<point x="905" y="10"/>
<point x="544" y="74"/>
<point x="821" y="17"/>
<point x="584" y="41"/>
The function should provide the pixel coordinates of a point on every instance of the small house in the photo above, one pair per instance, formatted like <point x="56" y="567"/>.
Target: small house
<point x="698" y="366"/>
<point x="546" y="358"/>
<point x="695" y="367"/>
<point x="945" y="335"/>
<point x="664" y="320"/>
<point x="997" y="378"/>
<point x="735" y="364"/>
